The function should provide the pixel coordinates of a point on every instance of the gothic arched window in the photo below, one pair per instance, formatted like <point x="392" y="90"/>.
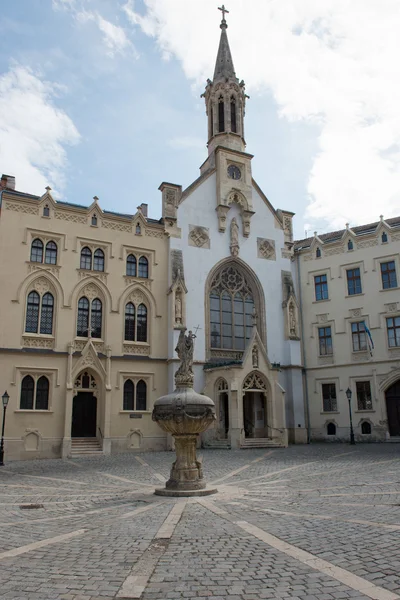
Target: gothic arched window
<point x="46" y="211"/>
<point x="231" y="310"/>
<point x="366" y="428"/>
<point x="141" y="395"/>
<point x="384" y="237"/>
<point x="129" y="395"/>
<point x="141" y="323"/>
<point x="94" y="220"/>
<point x="86" y="258"/>
<point x="221" y="114"/>
<point x="46" y="314"/>
<point x="42" y="393"/>
<point x="50" y="256"/>
<point x="82" y="325"/>
<point x="131" y="265"/>
<point x="89" y="313"/>
<point x="37" y="251"/>
<point x="98" y="260"/>
<point x="331" y="429"/>
<point x="96" y="317"/>
<point x="130" y="322"/>
<point x="143" y="267"/>
<point x="32" y="313"/>
<point x="27" y="393"/>
<point x="318" y="253"/>
<point x="233" y="115"/>
<point x="350" y="245"/>
<point x="39" y="313"/>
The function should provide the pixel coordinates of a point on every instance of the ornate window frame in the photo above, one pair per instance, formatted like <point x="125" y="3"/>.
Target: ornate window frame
<point x="41" y="285"/>
<point x="35" y="373"/>
<point x="135" y="377"/>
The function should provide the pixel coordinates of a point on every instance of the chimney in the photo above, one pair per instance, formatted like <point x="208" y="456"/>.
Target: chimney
<point x="144" y="207"/>
<point x="7" y="182"/>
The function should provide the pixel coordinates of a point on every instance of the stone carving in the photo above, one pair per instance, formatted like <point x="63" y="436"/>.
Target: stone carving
<point x="292" y="320"/>
<point x="254" y="354"/>
<point x="254" y="382"/>
<point x="355" y="312"/>
<point x="86" y="381"/>
<point x="85" y="274"/>
<point x="234" y="245"/>
<point x="396" y="237"/>
<point x="222" y="212"/>
<point x="184" y="349"/>
<point x="91" y="292"/>
<point x="323" y="318"/>
<point x="146" y="283"/>
<point x="231" y="354"/>
<point x="136" y="349"/>
<point x="170" y="204"/>
<point x="71" y="217"/>
<point x="42" y="285"/>
<point x="137" y="297"/>
<point x="22" y="208"/>
<point x="368" y="244"/>
<point x="178" y="307"/>
<point x="88" y="360"/>
<point x="334" y="251"/>
<point x="391" y="307"/>
<point x="154" y="234"/>
<point x="199" y="236"/>
<point x="287" y="227"/>
<point x="32" y="268"/>
<point x="115" y="226"/>
<point x="266" y="249"/>
<point x="286" y="254"/>
<point x="36" y="342"/>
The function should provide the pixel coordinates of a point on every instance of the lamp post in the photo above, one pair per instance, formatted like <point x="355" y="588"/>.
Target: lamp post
<point x="348" y="394"/>
<point x="5" y="399"/>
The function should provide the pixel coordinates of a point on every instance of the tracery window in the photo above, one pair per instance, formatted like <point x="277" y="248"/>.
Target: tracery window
<point x="135" y="323"/>
<point x="221" y="114"/>
<point x="233" y="114"/>
<point x="231" y="310"/>
<point x="135" y="395"/>
<point x="39" y="313"/>
<point x="34" y="394"/>
<point x="89" y="313"/>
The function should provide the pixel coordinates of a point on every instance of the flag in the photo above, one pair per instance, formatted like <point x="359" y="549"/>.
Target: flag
<point x="369" y="338"/>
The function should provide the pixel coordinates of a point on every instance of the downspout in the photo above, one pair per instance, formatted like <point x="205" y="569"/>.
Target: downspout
<point x="303" y="351"/>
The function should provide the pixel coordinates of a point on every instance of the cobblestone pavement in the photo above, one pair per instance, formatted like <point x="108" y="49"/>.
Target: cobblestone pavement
<point x="306" y="522"/>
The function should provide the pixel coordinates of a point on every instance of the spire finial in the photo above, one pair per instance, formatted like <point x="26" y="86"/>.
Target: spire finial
<point x="223" y="10"/>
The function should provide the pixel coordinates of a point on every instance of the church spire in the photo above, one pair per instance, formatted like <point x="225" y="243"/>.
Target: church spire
<point x="224" y="64"/>
<point x="225" y="99"/>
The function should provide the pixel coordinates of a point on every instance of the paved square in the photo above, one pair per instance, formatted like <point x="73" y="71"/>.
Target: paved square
<point x="313" y="522"/>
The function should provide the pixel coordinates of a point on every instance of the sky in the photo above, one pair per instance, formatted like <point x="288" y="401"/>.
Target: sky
<point x="102" y="98"/>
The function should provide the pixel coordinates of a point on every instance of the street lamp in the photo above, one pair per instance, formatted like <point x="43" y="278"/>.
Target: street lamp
<point x="5" y="398"/>
<point x="348" y="394"/>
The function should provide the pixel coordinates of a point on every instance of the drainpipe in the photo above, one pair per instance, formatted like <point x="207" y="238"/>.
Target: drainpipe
<point x="303" y="351"/>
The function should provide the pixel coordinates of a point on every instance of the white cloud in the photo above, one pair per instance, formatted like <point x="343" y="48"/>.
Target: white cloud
<point x="114" y="37"/>
<point x="33" y="131"/>
<point x="186" y="142"/>
<point x="330" y="62"/>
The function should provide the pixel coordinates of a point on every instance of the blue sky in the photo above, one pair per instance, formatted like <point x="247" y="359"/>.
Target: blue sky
<point x="102" y="97"/>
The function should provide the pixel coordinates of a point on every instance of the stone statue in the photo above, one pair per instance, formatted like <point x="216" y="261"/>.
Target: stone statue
<point x="178" y="308"/>
<point x="292" y="320"/>
<point x="255" y="357"/>
<point x="234" y="237"/>
<point x="185" y="350"/>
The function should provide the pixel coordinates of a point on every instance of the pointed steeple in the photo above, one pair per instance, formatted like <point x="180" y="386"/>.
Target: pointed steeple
<point x="224" y="68"/>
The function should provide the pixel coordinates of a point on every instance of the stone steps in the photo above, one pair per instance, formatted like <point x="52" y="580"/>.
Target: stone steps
<point x="218" y="445"/>
<point x="260" y="443"/>
<point x="394" y="440"/>
<point x="85" y="447"/>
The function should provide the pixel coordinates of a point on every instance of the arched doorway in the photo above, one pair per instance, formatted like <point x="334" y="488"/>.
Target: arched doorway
<point x="223" y="408"/>
<point x="84" y="407"/>
<point x="255" y="417"/>
<point x="393" y="408"/>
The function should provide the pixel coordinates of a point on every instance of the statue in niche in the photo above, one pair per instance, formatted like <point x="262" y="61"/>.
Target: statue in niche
<point x="292" y="321"/>
<point x="178" y="308"/>
<point x="255" y="357"/>
<point x="234" y="247"/>
<point x="185" y="349"/>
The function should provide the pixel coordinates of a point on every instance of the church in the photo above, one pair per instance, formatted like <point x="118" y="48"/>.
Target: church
<point x="95" y="302"/>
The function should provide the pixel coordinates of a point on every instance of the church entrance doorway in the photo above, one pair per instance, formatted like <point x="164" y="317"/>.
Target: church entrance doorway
<point x="393" y="408"/>
<point x="254" y="415"/>
<point x="223" y="409"/>
<point x="84" y="415"/>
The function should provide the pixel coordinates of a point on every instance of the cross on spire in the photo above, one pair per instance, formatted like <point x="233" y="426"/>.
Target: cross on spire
<point x="223" y="10"/>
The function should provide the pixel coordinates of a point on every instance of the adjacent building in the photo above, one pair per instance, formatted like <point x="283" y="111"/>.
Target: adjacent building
<point x="93" y="303"/>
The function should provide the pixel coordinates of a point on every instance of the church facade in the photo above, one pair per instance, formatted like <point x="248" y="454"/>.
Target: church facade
<point x="94" y="303"/>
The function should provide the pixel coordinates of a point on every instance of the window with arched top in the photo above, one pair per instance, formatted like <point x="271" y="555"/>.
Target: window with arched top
<point x="46" y="211"/>
<point x="130" y="329"/>
<point x="138" y="229"/>
<point x="34" y="393"/>
<point x="39" y="313"/>
<point x="350" y="245"/>
<point x="222" y="385"/>
<point x="233" y="115"/>
<point x="89" y="313"/>
<point x="96" y="317"/>
<point x="135" y="323"/>
<point x="318" y="253"/>
<point x="82" y="325"/>
<point x="129" y="395"/>
<point x="331" y="429"/>
<point x="37" y="251"/>
<point x="143" y="270"/>
<point x="98" y="260"/>
<point x="141" y="395"/>
<point x="366" y="428"/>
<point x="50" y="256"/>
<point x="94" y="220"/>
<point x="142" y="323"/>
<point x="86" y="258"/>
<point x="221" y="114"/>
<point x="384" y="237"/>
<point x="231" y="310"/>
<point x="131" y="265"/>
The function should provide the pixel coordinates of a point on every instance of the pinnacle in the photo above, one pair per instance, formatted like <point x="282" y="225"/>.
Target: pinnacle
<point x="224" y="64"/>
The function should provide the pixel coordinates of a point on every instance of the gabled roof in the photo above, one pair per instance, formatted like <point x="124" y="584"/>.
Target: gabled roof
<point x="334" y="236"/>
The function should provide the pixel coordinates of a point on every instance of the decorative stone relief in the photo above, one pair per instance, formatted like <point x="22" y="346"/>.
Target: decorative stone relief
<point x="22" y="208"/>
<point x="234" y="245"/>
<point x="134" y="439"/>
<point x="178" y="307"/>
<point x="334" y="251"/>
<point x="391" y="307"/>
<point x="222" y="212"/>
<point x="326" y="360"/>
<point x="83" y="274"/>
<point x="137" y="298"/>
<point x="146" y="283"/>
<point x="178" y="290"/>
<point x="155" y="234"/>
<point x="37" y="342"/>
<point x="199" y="236"/>
<point x="254" y="382"/>
<point x="42" y="285"/>
<point x="31" y="440"/>
<point x="115" y="226"/>
<point x="293" y="319"/>
<point x="395" y="237"/>
<point x="136" y="349"/>
<point x="287" y="227"/>
<point x="71" y="217"/>
<point x="254" y="355"/>
<point x="286" y="254"/>
<point x="322" y="318"/>
<point x="290" y="307"/>
<point x="230" y="354"/>
<point x="355" y="312"/>
<point x="367" y="244"/>
<point x="360" y="356"/>
<point x="266" y="249"/>
<point x="32" y="268"/>
<point x="91" y="291"/>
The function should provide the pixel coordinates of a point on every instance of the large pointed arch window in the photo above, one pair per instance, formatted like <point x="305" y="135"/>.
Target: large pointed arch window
<point x="233" y="115"/>
<point x="221" y="115"/>
<point x="231" y="310"/>
<point x="89" y="313"/>
<point x="39" y="313"/>
<point x="135" y="323"/>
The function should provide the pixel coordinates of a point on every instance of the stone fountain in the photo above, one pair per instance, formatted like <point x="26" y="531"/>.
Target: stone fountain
<point x="185" y="414"/>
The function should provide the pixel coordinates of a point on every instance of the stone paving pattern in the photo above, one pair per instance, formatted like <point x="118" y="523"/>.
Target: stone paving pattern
<point x="339" y="503"/>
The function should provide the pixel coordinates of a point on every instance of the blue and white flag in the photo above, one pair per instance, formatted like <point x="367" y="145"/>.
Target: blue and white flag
<point x="369" y="338"/>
